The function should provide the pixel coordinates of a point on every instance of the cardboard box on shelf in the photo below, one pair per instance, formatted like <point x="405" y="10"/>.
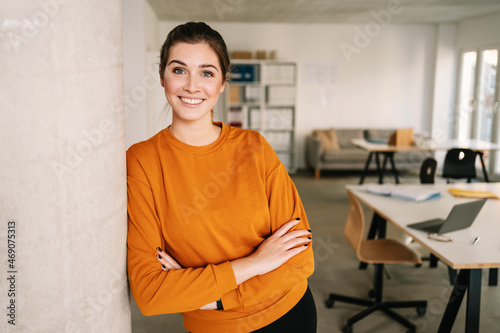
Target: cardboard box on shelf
<point x="261" y="54"/>
<point x="241" y="55"/>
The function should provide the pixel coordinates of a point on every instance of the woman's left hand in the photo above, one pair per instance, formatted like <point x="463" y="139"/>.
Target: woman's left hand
<point x="166" y="261"/>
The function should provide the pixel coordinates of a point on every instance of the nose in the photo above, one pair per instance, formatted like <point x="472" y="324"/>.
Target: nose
<point x="191" y="84"/>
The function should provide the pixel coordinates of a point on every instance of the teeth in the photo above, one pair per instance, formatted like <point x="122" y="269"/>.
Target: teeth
<point x="191" y="101"/>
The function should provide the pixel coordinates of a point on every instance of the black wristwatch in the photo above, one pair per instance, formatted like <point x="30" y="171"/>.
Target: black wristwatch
<point x="219" y="305"/>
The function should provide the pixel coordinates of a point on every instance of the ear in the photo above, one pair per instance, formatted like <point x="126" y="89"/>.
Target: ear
<point x="162" y="83"/>
<point x="221" y="90"/>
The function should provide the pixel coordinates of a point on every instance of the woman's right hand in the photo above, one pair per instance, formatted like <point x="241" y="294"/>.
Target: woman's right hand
<point x="282" y="245"/>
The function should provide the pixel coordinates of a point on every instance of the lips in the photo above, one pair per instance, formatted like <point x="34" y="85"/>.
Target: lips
<point x="191" y="101"/>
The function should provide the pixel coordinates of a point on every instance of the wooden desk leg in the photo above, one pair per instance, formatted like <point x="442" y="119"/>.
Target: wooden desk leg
<point x="393" y="166"/>
<point x="367" y="167"/>
<point x="480" y="153"/>
<point x="379" y="169"/>
<point x="473" y="302"/>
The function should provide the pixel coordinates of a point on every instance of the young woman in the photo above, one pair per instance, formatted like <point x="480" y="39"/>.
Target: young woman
<point x="217" y="230"/>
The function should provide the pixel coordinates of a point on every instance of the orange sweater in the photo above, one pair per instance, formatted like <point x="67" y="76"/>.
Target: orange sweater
<point x="206" y="206"/>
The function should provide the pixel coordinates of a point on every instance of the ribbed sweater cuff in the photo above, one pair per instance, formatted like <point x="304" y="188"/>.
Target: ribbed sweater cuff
<point x="232" y="300"/>
<point x="224" y="277"/>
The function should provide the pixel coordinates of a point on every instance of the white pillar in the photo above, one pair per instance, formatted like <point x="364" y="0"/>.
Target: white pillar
<point x="62" y="168"/>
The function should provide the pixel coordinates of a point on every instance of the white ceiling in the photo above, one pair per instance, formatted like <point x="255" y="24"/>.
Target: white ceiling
<point x="321" y="11"/>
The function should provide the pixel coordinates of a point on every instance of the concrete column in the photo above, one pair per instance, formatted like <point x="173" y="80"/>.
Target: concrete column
<point x="62" y="168"/>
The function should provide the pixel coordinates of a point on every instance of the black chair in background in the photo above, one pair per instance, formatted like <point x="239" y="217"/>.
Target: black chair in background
<point x="460" y="163"/>
<point x="428" y="171"/>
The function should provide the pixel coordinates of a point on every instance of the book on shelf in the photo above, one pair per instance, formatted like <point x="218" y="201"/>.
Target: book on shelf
<point x="406" y="192"/>
<point x="244" y="73"/>
<point x="236" y="116"/>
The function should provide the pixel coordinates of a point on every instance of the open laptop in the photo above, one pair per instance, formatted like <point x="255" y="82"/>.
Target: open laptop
<point x="460" y="217"/>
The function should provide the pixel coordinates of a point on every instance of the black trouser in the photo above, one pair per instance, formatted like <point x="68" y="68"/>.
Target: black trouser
<point x="300" y="319"/>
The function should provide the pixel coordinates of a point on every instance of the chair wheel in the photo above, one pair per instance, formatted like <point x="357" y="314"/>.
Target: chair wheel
<point x="371" y="293"/>
<point x="329" y="303"/>
<point x="421" y="311"/>
<point x="347" y="329"/>
<point x="418" y="265"/>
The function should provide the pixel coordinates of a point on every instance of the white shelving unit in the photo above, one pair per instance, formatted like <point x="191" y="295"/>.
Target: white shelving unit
<point x="262" y="97"/>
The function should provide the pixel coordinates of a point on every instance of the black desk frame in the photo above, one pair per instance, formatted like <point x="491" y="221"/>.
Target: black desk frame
<point x="389" y="156"/>
<point x="380" y="170"/>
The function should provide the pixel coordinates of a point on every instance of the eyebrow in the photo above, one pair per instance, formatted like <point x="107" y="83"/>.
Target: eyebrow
<point x="201" y="66"/>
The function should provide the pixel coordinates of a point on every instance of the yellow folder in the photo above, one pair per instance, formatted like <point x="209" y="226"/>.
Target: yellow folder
<point x="473" y="194"/>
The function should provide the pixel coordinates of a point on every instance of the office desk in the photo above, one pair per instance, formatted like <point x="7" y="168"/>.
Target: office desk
<point x="479" y="146"/>
<point x="460" y="253"/>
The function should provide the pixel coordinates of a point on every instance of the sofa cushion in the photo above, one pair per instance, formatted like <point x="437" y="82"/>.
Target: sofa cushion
<point x="345" y="135"/>
<point x="345" y="155"/>
<point x="328" y="139"/>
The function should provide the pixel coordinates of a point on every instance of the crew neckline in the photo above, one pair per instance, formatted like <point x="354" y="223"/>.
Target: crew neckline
<point x="198" y="150"/>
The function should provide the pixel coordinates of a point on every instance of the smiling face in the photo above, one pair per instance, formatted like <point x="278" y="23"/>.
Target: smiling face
<point x="192" y="82"/>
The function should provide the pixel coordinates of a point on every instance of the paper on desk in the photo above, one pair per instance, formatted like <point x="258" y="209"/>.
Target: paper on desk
<point x="406" y="192"/>
<point x="473" y="194"/>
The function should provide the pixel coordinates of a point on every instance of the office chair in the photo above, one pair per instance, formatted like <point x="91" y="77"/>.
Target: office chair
<point x="428" y="171"/>
<point x="378" y="252"/>
<point x="459" y="163"/>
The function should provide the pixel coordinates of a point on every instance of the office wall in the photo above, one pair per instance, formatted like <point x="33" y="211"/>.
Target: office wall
<point x="381" y="81"/>
<point x="442" y="118"/>
<point x="139" y="26"/>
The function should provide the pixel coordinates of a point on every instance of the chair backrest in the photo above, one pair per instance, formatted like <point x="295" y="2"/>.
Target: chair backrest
<point x="428" y="171"/>
<point x="355" y="224"/>
<point x="460" y="163"/>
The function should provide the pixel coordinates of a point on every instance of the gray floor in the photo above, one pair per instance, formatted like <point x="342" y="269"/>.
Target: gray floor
<point x="337" y="271"/>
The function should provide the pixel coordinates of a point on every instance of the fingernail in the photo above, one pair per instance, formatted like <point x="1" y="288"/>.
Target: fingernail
<point x="163" y="266"/>
<point x="159" y="256"/>
<point x="306" y="245"/>
<point x="309" y="237"/>
<point x="158" y="249"/>
<point x="309" y="231"/>
<point x="298" y="218"/>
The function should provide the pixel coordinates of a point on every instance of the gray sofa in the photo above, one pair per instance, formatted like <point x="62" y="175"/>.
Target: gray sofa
<point x="346" y="156"/>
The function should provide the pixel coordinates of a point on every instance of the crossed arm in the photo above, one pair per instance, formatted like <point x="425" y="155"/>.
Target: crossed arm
<point x="277" y="249"/>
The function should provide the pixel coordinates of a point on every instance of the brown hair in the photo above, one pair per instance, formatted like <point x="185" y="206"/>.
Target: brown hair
<point x="193" y="33"/>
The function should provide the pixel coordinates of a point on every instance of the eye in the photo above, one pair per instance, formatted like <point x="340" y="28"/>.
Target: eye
<point x="207" y="74"/>
<point x="178" y="71"/>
